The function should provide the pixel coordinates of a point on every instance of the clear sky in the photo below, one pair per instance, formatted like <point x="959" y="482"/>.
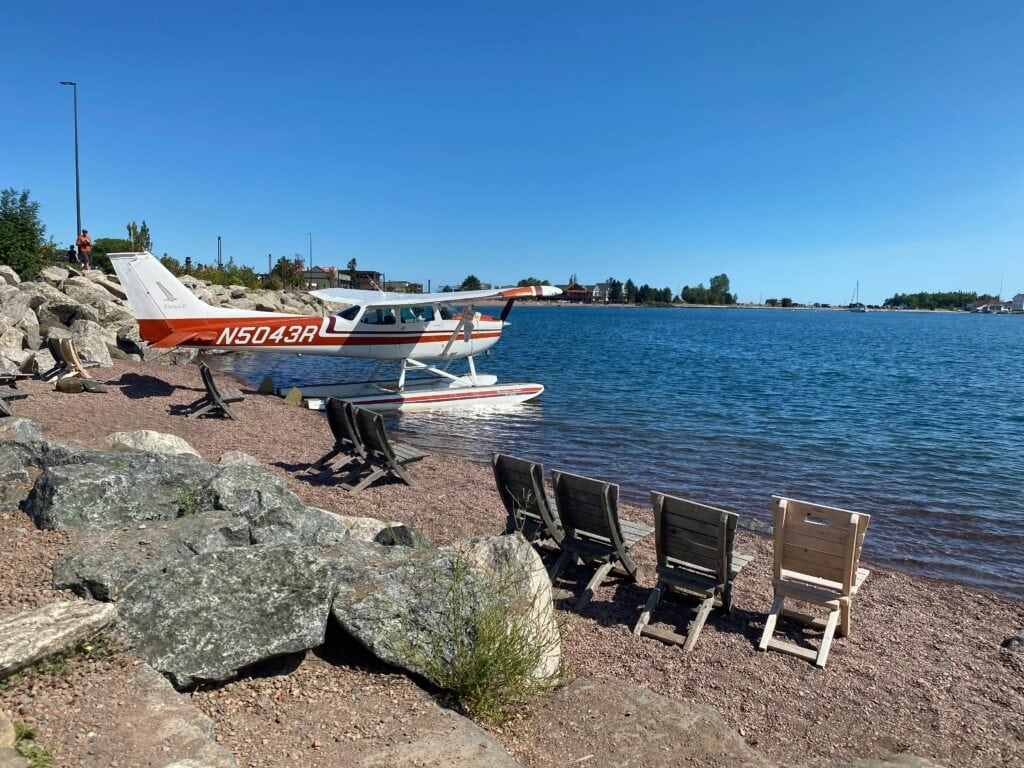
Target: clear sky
<point x="796" y="146"/>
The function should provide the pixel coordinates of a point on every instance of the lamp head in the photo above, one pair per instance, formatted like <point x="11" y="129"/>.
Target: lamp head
<point x="68" y="82"/>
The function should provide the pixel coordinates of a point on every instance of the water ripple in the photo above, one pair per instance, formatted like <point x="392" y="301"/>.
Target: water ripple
<point x="914" y="418"/>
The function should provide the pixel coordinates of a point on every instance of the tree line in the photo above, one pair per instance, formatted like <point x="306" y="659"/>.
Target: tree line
<point x="942" y="300"/>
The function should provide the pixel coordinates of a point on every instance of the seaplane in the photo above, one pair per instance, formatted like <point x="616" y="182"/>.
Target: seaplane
<point x="422" y="333"/>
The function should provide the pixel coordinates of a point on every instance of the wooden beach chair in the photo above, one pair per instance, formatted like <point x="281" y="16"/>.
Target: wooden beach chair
<point x="69" y="353"/>
<point x="694" y="544"/>
<point x="589" y="512"/>
<point x="817" y="557"/>
<point x="383" y="457"/>
<point x="521" y="487"/>
<point x="215" y="399"/>
<point x="348" y="446"/>
<point x="60" y="364"/>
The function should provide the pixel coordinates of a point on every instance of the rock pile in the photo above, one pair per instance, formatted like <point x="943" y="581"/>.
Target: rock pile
<point x="90" y="307"/>
<point x="214" y="567"/>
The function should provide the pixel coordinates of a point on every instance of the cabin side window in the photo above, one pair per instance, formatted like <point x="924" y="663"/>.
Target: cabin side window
<point x="383" y="316"/>
<point x="447" y="311"/>
<point x="417" y="314"/>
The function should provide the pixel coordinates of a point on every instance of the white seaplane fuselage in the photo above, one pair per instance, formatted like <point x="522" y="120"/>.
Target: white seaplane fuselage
<point x="386" y="327"/>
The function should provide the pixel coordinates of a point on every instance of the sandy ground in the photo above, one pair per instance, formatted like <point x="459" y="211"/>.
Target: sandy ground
<point x="922" y="672"/>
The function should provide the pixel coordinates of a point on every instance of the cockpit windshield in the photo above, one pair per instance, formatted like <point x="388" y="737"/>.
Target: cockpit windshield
<point x="349" y="313"/>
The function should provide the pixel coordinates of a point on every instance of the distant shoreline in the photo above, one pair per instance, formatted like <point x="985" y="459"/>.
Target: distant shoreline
<point x="579" y="305"/>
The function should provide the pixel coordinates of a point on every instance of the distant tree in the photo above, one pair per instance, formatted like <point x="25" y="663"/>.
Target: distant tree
<point x="786" y="302"/>
<point x="614" y="291"/>
<point x="718" y="293"/>
<point x="172" y="264"/>
<point x="22" y="234"/>
<point x="230" y="274"/>
<point x="139" y="237"/>
<point x="944" y="300"/>
<point x="629" y="291"/>
<point x="101" y="246"/>
<point x="447" y="289"/>
<point x="471" y="283"/>
<point x="352" y="271"/>
<point x="772" y="302"/>
<point x="531" y="281"/>
<point x="289" y="272"/>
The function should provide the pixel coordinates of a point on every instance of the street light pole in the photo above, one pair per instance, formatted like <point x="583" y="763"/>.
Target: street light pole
<point x="310" y="250"/>
<point x="78" y="195"/>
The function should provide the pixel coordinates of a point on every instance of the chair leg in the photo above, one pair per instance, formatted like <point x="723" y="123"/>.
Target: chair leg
<point x="368" y="480"/>
<point x="645" y="616"/>
<point x="399" y="470"/>
<point x="204" y="408"/>
<point x="727" y="598"/>
<point x="844" y="618"/>
<point x="826" y="640"/>
<point x="769" y="624"/>
<point x="592" y="585"/>
<point x="559" y="565"/>
<point x="698" y="623"/>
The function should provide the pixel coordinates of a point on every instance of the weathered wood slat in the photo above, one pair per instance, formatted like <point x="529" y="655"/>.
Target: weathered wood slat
<point x="831" y="546"/>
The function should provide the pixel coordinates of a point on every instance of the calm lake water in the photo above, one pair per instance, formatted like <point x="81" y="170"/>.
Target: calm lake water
<point x="916" y="418"/>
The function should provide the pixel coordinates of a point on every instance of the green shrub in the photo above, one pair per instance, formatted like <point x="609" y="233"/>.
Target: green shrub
<point x="487" y="648"/>
<point x="24" y="738"/>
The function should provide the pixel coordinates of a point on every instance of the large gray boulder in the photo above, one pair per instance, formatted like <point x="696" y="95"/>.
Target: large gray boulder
<point x="34" y="635"/>
<point x="207" y="618"/>
<point x="13" y="304"/>
<point x="413" y="608"/>
<point x="631" y="726"/>
<point x="8" y="275"/>
<point x="514" y="565"/>
<point x="91" y="340"/>
<point x="151" y="441"/>
<point x="107" y="283"/>
<point x="55" y="276"/>
<point x="116" y="489"/>
<point x="17" y="427"/>
<point x="296" y="525"/>
<point x="101" y="563"/>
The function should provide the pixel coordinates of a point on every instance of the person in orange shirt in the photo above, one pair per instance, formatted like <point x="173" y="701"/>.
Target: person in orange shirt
<point x="84" y="243"/>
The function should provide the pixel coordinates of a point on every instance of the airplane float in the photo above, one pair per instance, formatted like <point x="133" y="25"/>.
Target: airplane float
<point x="407" y="329"/>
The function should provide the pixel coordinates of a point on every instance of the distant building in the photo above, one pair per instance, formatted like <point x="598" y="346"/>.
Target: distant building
<point x="325" y="277"/>
<point x="575" y="293"/>
<point x="367" y="280"/>
<point x="600" y="292"/>
<point x="403" y="286"/>
<point x="1017" y="303"/>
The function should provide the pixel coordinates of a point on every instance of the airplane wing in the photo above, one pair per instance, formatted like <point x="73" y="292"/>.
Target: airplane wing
<point x="391" y="299"/>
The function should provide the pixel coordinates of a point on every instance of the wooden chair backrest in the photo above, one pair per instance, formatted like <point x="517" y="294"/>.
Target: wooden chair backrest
<point x="693" y="533"/>
<point x="521" y="487"/>
<point x="207" y="374"/>
<point x="587" y="505"/>
<point x="342" y="423"/>
<point x="370" y="428"/>
<point x="819" y="541"/>
<point x="53" y="344"/>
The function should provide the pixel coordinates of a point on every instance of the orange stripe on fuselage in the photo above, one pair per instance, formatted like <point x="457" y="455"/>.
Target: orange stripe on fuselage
<point x="294" y="331"/>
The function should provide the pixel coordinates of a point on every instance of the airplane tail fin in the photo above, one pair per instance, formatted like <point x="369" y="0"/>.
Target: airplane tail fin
<point x="157" y="298"/>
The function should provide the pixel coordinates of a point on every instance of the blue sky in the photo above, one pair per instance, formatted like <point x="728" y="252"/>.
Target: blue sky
<point x="797" y="147"/>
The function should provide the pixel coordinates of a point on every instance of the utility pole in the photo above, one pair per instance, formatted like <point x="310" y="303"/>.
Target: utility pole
<point x="310" y="250"/>
<point x="218" y="252"/>
<point x="78" y="195"/>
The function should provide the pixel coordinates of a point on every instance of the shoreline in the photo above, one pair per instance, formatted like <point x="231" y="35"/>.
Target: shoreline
<point x="521" y="303"/>
<point x="922" y="672"/>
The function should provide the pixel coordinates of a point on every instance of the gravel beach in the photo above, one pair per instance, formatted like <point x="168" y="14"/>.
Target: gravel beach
<point x="922" y="672"/>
